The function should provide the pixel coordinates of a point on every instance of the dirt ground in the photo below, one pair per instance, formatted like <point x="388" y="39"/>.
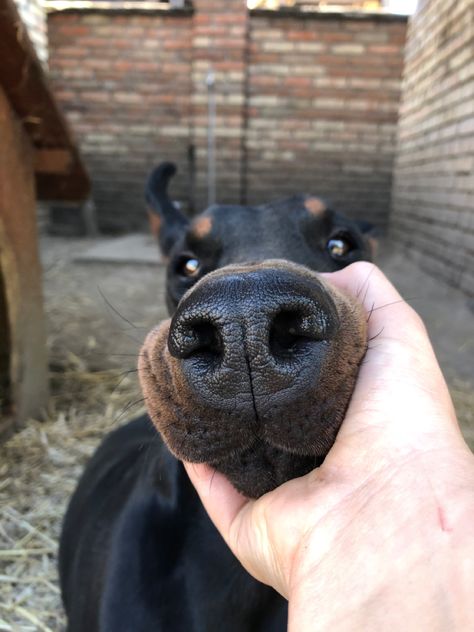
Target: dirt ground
<point x="97" y="316"/>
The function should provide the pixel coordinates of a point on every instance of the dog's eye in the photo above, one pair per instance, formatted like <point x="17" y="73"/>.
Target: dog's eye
<point x="189" y="266"/>
<point x="339" y="246"/>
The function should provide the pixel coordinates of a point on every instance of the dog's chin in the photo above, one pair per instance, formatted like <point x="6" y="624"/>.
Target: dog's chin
<point x="262" y="467"/>
<point x="257" y="439"/>
<point x="253" y="469"/>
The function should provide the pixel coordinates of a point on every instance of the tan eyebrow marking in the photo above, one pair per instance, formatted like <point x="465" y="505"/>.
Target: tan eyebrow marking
<point x="315" y="206"/>
<point x="202" y="227"/>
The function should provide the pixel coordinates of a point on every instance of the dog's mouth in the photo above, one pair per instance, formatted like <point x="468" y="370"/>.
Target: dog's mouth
<point x="260" y="402"/>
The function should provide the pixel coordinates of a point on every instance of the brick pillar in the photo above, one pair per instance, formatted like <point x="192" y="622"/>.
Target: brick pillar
<point x="220" y="43"/>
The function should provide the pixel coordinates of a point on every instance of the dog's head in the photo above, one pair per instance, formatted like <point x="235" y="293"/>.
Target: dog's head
<point x="254" y="371"/>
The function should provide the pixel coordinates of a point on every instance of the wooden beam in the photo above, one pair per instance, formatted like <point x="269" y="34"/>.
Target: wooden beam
<point x="25" y="388"/>
<point x="53" y="161"/>
<point x="26" y="87"/>
<point x="118" y="6"/>
<point x="55" y="187"/>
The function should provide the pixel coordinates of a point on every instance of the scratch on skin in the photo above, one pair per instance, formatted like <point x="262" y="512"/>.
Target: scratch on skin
<point x="443" y="521"/>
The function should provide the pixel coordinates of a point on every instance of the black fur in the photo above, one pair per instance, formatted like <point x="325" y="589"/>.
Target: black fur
<point x="138" y="552"/>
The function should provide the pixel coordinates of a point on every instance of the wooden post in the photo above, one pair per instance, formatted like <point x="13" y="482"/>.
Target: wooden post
<point x="38" y="159"/>
<point x="23" y="366"/>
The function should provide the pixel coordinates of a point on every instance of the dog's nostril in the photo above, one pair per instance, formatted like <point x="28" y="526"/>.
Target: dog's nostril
<point x="292" y="330"/>
<point x="196" y="338"/>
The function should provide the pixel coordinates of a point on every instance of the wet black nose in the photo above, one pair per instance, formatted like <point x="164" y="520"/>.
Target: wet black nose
<point x="252" y="337"/>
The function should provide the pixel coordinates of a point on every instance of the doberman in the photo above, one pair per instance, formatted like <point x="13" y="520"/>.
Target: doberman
<point x="252" y="374"/>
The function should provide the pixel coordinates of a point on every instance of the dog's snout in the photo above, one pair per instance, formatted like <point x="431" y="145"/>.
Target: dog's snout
<point x="252" y="334"/>
<point x="291" y="328"/>
<point x="254" y="372"/>
<point x="193" y="337"/>
<point x="284" y="323"/>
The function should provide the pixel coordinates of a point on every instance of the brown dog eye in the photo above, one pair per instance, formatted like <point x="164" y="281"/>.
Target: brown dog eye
<point x="190" y="267"/>
<point x="339" y="247"/>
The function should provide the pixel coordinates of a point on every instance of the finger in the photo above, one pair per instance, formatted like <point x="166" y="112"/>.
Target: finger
<point x="399" y="380"/>
<point x="222" y="501"/>
<point x="386" y="310"/>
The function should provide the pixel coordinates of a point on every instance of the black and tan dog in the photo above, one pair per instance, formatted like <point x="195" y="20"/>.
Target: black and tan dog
<point x="252" y="374"/>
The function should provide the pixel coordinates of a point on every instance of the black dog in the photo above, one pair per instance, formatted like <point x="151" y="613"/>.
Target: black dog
<point x="253" y="375"/>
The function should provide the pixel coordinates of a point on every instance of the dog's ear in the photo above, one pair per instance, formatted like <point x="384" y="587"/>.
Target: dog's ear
<point x="166" y="220"/>
<point x="371" y="233"/>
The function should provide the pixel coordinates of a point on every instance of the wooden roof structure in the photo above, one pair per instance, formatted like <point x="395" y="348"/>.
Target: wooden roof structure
<point x="60" y="173"/>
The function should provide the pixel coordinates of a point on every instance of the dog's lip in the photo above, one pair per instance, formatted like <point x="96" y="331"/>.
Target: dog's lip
<point x="210" y="453"/>
<point x="258" y="432"/>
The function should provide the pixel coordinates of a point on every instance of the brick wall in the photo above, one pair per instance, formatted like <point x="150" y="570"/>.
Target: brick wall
<point x="323" y="102"/>
<point x="34" y="17"/>
<point x="433" y="195"/>
<point x="125" y="83"/>
<point x="219" y="42"/>
<point x="302" y="104"/>
<point x="310" y="4"/>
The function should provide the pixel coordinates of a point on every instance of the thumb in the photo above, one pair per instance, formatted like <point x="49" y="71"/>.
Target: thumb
<point x="401" y="397"/>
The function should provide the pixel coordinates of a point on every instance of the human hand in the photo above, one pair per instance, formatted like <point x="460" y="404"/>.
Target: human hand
<point x="381" y="536"/>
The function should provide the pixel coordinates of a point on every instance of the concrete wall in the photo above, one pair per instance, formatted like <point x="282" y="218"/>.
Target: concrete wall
<point x="302" y="104"/>
<point x="433" y="193"/>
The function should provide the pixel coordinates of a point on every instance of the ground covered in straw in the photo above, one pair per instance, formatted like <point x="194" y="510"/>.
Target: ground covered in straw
<point x="97" y="315"/>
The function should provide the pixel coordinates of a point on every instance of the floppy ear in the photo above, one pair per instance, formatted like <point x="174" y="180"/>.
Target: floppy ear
<point x="366" y="228"/>
<point x="166" y="220"/>
<point x="371" y="233"/>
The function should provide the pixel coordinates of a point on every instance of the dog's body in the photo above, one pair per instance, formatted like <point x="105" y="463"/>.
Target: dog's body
<point x="146" y="556"/>
<point x="138" y="552"/>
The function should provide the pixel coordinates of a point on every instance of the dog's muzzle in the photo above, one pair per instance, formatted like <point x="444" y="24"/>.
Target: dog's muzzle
<point x="255" y="371"/>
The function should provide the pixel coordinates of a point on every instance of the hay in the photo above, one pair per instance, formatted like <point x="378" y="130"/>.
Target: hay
<point x="39" y="470"/>
<point x="94" y="388"/>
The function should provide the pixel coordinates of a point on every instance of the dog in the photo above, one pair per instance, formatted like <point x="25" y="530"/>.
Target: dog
<point x="252" y="374"/>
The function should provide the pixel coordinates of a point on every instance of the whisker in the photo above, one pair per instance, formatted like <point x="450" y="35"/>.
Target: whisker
<point x="184" y="438"/>
<point x="128" y="406"/>
<point x="212" y="479"/>
<point x="123" y="330"/>
<point x="364" y="283"/>
<point x="371" y="312"/>
<point x="376" y="335"/>
<point x="402" y="300"/>
<point x="114" y="309"/>
<point x="122" y="377"/>
<point x="119" y="355"/>
<point x="371" y="348"/>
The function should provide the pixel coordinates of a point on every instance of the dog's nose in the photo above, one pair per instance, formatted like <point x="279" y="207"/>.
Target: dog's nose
<point x="253" y="337"/>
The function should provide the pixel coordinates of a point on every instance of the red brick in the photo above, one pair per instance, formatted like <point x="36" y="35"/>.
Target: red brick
<point x="430" y="200"/>
<point x="139" y="79"/>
